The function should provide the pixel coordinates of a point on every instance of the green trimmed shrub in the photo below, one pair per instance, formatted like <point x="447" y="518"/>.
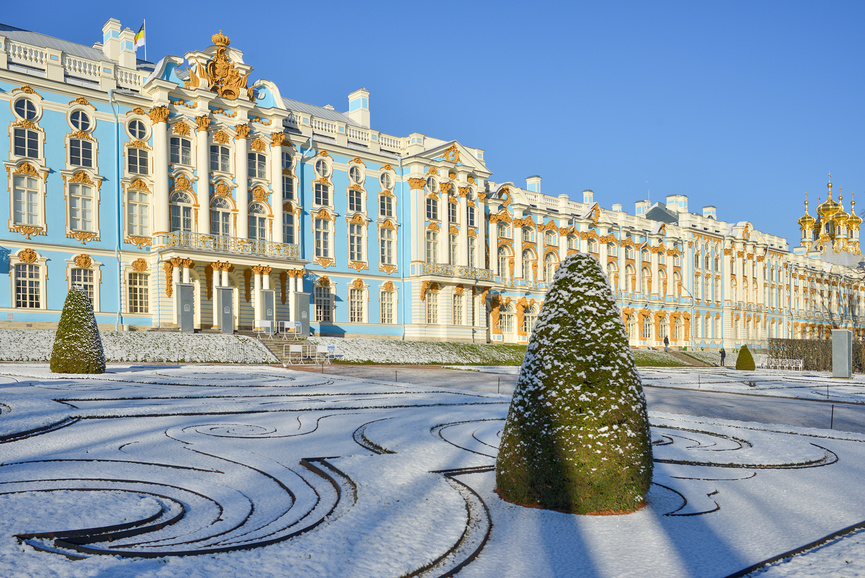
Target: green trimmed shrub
<point x="577" y="436"/>
<point x="77" y="344"/>
<point x="745" y="361"/>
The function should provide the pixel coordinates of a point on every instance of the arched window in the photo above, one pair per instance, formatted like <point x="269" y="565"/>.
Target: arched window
<point x="611" y="250"/>
<point x="432" y="246"/>
<point x="528" y="234"/>
<point x="632" y="328"/>
<point x="258" y="222"/>
<point x="507" y="319"/>
<point x="528" y="257"/>
<point x="530" y="319"/>
<point x="646" y="277"/>
<point x="612" y="272"/>
<point x="550" y="265"/>
<point x="647" y="327"/>
<point x="220" y="212"/>
<point x="630" y="277"/>
<point x="181" y="211"/>
<point x="503" y="256"/>
<point x="550" y="237"/>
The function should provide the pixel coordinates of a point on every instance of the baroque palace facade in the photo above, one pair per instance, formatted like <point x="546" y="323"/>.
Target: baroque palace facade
<point x="129" y="178"/>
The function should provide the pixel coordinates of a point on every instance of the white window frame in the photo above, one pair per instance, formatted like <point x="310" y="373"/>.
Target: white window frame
<point x="142" y="305"/>
<point x="387" y="305"/>
<point x="323" y="304"/>
<point x="96" y="269"/>
<point x="176" y="151"/>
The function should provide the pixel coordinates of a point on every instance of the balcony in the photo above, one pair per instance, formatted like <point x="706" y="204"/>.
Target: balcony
<point x="458" y="271"/>
<point x="226" y="245"/>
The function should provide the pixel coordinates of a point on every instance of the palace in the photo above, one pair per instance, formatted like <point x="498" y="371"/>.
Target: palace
<point x="142" y="182"/>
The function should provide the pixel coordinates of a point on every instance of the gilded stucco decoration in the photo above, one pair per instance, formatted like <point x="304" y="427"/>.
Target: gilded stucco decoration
<point x="258" y="145"/>
<point x="140" y="185"/>
<point x="159" y="114"/>
<point x="242" y="130"/>
<point x="182" y="183"/>
<point x="387" y="168"/>
<point x="388" y="286"/>
<point x="453" y="230"/>
<point x="505" y="196"/>
<point x="452" y="154"/>
<point x="26" y="169"/>
<point x="259" y="193"/>
<point x="139" y="265"/>
<point x="28" y="230"/>
<point x="277" y="138"/>
<point x="465" y="191"/>
<point x="81" y="134"/>
<point x="356" y="160"/>
<point x="138" y="241"/>
<point x="27" y="255"/>
<point x="357" y="284"/>
<point x="220" y="74"/>
<point x="445" y="188"/>
<point x="83" y="236"/>
<point x="138" y="144"/>
<point x="432" y="171"/>
<point x="323" y="281"/>
<point x="26" y="88"/>
<point x="417" y="183"/>
<point x="221" y="137"/>
<point x="283" y="285"/>
<point x="222" y="189"/>
<point x="247" y="284"/>
<point x="82" y="101"/>
<point x="323" y="154"/>
<point x="181" y="128"/>
<point x="84" y="261"/>
<point x="202" y="123"/>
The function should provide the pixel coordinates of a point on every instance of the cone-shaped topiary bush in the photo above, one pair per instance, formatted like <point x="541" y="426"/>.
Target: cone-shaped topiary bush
<point x="577" y="434"/>
<point x="745" y="361"/>
<point x="77" y="344"/>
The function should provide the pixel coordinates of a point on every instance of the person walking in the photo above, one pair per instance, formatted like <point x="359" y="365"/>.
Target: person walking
<point x="666" y="343"/>
<point x="723" y="356"/>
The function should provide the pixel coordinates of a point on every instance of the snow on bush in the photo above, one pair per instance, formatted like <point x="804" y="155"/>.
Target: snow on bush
<point x="386" y="351"/>
<point x="77" y="346"/>
<point x="142" y="346"/>
<point x="577" y="437"/>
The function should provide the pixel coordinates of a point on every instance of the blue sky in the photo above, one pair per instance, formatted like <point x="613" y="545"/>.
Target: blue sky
<point x="744" y="105"/>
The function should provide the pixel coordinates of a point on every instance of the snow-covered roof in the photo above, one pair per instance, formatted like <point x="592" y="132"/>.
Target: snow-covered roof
<point x="45" y="41"/>
<point x="318" y="111"/>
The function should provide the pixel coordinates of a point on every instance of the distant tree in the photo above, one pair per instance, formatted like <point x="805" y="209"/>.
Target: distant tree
<point x="77" y="344"/>
<point x="577" y="435"/>
<point x="745" y="361"/>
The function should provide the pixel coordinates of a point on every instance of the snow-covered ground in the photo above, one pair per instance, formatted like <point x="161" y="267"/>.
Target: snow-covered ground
<point x="202" y="470"/>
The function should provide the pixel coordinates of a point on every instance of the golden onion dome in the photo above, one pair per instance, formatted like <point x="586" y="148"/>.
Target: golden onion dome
<point x="854" y="220"/>
<point x="829" y="207"/>
<point x="806" y="219"/>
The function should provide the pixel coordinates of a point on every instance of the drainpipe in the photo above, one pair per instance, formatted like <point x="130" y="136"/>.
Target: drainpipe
<point x="300" y="237"/>
<point x="117" y="215"/>
<point x="401" y="244"/>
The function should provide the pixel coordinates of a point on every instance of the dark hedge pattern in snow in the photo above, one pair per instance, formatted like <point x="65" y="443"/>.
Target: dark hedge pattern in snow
<point x="77" y="344"/>
<point x="577" y="436"/>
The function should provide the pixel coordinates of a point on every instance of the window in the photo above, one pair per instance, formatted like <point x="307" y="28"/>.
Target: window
<point x="503" y="261"/>
<point x="322" y="238"/>
<point x="385" y="239"/>
<point x="83" y="278"/>
<point x="629" y="252"/>
<point x="355" y="200"/>
<point x="355" y="173"/>
<point x="287" y="226"/>
<point x="258" y="222"/>
<point x="530" y="319"/>
<point x="137" y="130"/>
<point x="137" y="301"/>
<point x="220" y="159"/>
<point x="591" y="244"/>
<point x="647" y="327"/>
<point x="385" y="206"/>
<point x="386" y="181"/>
<point x="503" y="230"/>
<point x="386" y="302"/>
<point x="287" y="161"/>
<point x="80" y="120"/>
<point x="80" y="207"/>
<point x="453" y="246"/>
<point x="457" y="309"/>
<point x="355" y="305"/>
<point x="220" y="212"/>
<point x="432" y="307"/>
<point x="528" y="257"/>
<point x="136" y="161"/>
<point x="28" y="286"/>
<point x="473" y="249"/>
<point x="26" y="143"/>
<point x="80" y="152"/>
<point x="573" y="242"/>
<point x="322" y="169"/>
<point x="432" y="246"/>
<point x="180" y="151"/>
<point x="528" y="234"/>
<point x="257" y="165"/>
<point x="470" y="214"/>
<point x="181" y="211"/>
<point x="550" y="265"/>
<point x="25" y="109"/>
<point x="323" y="305"/>
<point x="612" y="250"/>
<point x="432" y="209"/>
<point x="137" y="213"/>
<point x="696" y="260"/>
<point x="431" y="186"/>
<point x="452" y="212"/>
<point x="25" y="200"/>
<point x="322" y="194"/>
<point x="355" y="242"/>
<point x="287" y="188"/>
<point x="550" y="238"/>
<point x="507" y="319"/>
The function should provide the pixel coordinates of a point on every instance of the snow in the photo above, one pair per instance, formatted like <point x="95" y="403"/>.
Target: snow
<point x="303" y="473"/>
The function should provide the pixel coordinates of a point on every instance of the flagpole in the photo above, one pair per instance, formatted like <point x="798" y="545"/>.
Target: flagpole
<point x="144" y="25"/>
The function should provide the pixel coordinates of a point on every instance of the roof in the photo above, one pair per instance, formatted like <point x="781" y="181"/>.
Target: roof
<point x="318" y="111"/>
<point x="45" y="41"/>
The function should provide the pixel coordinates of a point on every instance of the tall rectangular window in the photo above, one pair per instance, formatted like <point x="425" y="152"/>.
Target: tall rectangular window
<point x="385" y="238"/>
<point x="322" y="238"/>
<point x="257" y="165"/>
<point x="180" y="151"/>
<point x="28" y="288"/>
<point x="385" y="206"/>
<point x="80" y="153"/>
<point x="355" y="201"/>
<point x="452" y="212"/>
<point x="323" y="304"/>
<point x="473" y="250"/>
<point x="458" y="309"/>
<point x="25" y="200"/>
<point x="470" y="213"/>
<point x="219" y="159"/>
<point x="80" y="207"/>
<point x="137" y="214"/>
<point x="355" y="242"/>
<point x="453" y="245"/>
<point x="137" y="294"/>
<point x="386" y="303"/>
<point x="136" y="161"/>
<point x="355" y="306"/>
<point x="287" y="188"/>
<point x="322" y="194"/>
<point x="83" y="278"/>
<point x="432" y="247"/>
<point x="26" y="143"/>
<point x="432" y="307"/>
<point x="288" y="228"/>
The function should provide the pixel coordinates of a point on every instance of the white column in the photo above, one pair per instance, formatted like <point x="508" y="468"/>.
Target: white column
<point x="161" y="211"/>
<point x="225" y="275"/>
<point x="175" y="295"/>
<point x="277" y="139"/>
<point x="657" y="289"/>
<point x="416" y="245"/>
<point x="518" y="248"/>
<point x="256" y="295"/>
<point x="623" y="279"/>
<point x="242" y="173"/>
<point x="292" y="297"/>
<point x="202" y="155"/>
<point x="187" y="263"/>
<point x="494" y="247"/>
<point x="463" y="248"/>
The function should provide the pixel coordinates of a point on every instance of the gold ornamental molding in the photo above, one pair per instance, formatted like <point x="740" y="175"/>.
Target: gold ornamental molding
<point x="416" y="183"/>
<point x="83" y="236"/>
<point x="222" y="189"/>
<point x="388" y="269"/>
<point x="81" y="134"/>
<point x="323" y="281"/>
<point x="221" y="137"/>
<point x="432" y="171"/>
<point x="26" y="169"/>
<point x="180" y="128"/>
<point x="25" y="88"/>
<point x="452" y="154"/>
<point x="84" y="261"/>
<point x="82" y="101"/>
<point x="358" y="265"/>
<point x="357" y="284"/>
<point x="159" y="114"/>
<point x="140" y="265"/>
<point x="324" y="262"/>
<point x="259" y="193"/>
<point x="258" y="145"/>
<point x="202" y="123"/>
<point x="388" y="286"/>
<point x="138" y="241"/>
<point x="445" y="188"/>
<point x="220" y="75"/>
<point x="28" y="230"/>
<point x="242" y="130"/>
<point x="139" y="144"/>
<point x="276" y="139"/>
<point x="27" y="255"/>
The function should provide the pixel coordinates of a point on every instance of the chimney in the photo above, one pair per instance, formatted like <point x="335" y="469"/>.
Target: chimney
<point x="588" y="196"/>
<point x="358" y="107"/>
<point x="111" y="40"/>
<point x="640" y="208"/>
<point x="678" y="203"/>
<point x="710" y="212"/>
<point x="533" y="184"/>
<point x="617" y="208"/>
<point x="127" y="49"/>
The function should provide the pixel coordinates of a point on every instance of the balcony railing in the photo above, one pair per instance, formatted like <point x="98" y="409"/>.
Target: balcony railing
<point x="230" y="245"/>
<point x="444" y="270"/>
